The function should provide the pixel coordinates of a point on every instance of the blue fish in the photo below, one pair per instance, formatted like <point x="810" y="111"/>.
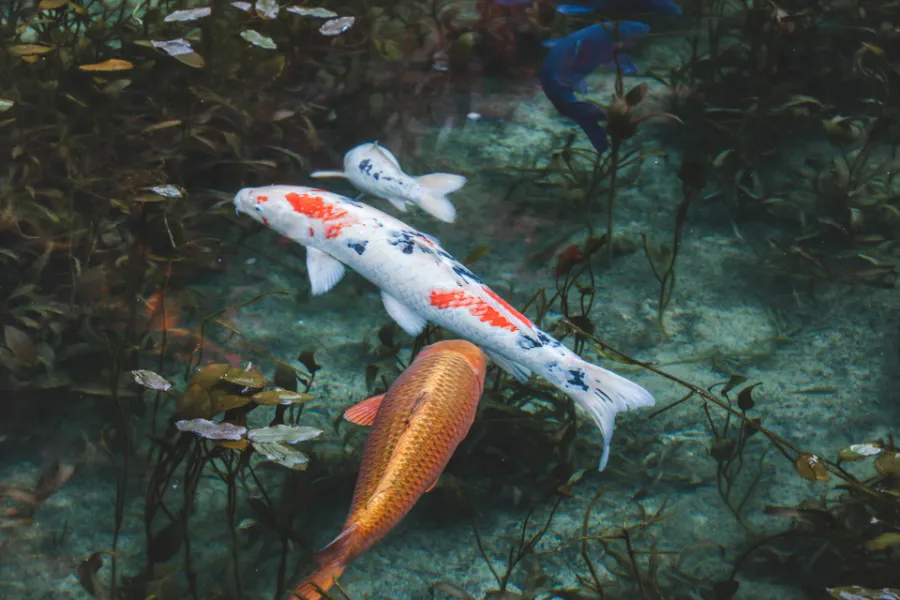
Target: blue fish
<point x="619" y="7"/>
<point x="576" y="56"/>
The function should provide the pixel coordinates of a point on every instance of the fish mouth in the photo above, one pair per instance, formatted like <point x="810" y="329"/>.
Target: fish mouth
<point x="241" y="199"/>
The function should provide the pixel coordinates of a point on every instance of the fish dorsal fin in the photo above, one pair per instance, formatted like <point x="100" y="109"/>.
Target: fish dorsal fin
<point x="325" y="271"/>
<point x="338" y="549"/>
<point x="364" y="412"/>
<point x="387" y="154"/>
<point x="406" y="318"/>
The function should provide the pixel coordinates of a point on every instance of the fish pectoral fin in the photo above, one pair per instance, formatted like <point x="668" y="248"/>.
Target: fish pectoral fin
<point x="398" y="203"/>
<point x="325" y="271"/>
<point x="327" y="174"/>
<point x="364" y="412"/>
<point x="515" y="369"/>
<point x="386" y="154"/>
<point x="406" y="318"/>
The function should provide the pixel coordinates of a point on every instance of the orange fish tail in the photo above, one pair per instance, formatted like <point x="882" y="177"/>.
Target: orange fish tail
<point x="320" y="581"/>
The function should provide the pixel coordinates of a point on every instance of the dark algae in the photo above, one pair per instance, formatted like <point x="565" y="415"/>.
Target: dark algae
<point x="700" y="196"/>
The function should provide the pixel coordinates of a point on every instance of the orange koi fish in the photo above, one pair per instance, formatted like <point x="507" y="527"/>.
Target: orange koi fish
<point x="416" y="426"/>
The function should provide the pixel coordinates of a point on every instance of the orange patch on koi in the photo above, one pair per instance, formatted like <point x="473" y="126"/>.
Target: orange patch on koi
<point x="525" y="321"/>
<point x="261" y="199"/>
<point x="476" y="307"/>
<point x="315" y="207"/>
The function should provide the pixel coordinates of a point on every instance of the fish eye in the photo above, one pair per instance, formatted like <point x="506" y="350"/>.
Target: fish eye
<point x="258" y="208"/>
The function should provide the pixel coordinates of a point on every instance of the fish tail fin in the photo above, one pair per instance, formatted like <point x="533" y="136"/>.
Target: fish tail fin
<point x="603" y="394"/>
<point x="332" y="560"/>
<point x="320" y="581"/>
<point x="434" y="201"/>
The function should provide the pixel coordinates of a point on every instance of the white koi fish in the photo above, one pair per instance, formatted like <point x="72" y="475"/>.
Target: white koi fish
<point x="372" y="169"/>
<point x="420" y="282"/>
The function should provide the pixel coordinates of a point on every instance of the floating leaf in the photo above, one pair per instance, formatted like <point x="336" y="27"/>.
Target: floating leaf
<point x="885" y="541"/>
<point x="113" y="64"/>
<point x="245" y="378"/>
<point x="337" y="26"/>
<point x="281" y="396"/>
<point x="173" y="47"/>
<point x="212" y="430"/>
<point x="209" y="375"/>
<point x="244" y="6"/>
<point x="809" y="466"/>
<point x="258" y="39"/>
<point x="151" y="380"/>
<point x="282" y="455"/>
<point x="240" y="444"/>
<point x="20" y="345"/>
<point x="194" y="403"/>
<point x="222" y="402"/>
<point x="5" y="105"/>
<point x="51" y="4"/>
<point x="267" y="9"/>
<point x="854" y="592"/>
<point x="888" y="464"/>
<point x="860" y="452"/>
<point x="283" y="433"/>
<point x="169" y="191"/>
<point x="191" y="14"/>
<point x="29" y="49"/>
<point x="319" y="13"/>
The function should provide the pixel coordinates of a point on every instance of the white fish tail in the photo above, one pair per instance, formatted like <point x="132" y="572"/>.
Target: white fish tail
<point x="603" y="394"/>
<point x="434" y="199"/>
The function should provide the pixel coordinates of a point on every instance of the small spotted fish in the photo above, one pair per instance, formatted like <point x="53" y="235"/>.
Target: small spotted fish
<point x="420" y="282"/>
<point x="416" y="426"/>
<point x="373" y="169"/>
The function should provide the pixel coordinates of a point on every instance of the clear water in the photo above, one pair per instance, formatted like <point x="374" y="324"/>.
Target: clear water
<point x="783" y="280"/>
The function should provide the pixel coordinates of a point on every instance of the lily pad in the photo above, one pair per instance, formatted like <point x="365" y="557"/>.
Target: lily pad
<point x="809" y="466"/>
<point x="209" y="375"/>
<point x="194" y="403"/>
<point x="319" y="13"/>
<point x="258" y="39"/>
<point x="860" y="452"/>
<point x="282" y="455"/>
<point x="151" y="380"/>
<point x="212" y="430"/>
<point x="191" y="14"/>
<point x="888" y="464"/>
<point x="855" y="592"/>
<point x="337" y="26"/>
<point x="113" y="64"/>
<point x="283" y="433"/>
<point x="245" y="378"/>
<point x="281" y="396"/>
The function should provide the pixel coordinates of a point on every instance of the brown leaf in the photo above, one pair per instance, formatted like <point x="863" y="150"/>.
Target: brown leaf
<point x="113" y="64"/>
<point x="51" y="4"/>
<point x="209" y="375"/>
<point x="245" y="378"/>
<point x="809" y="466"/>
<point x="21" y="345"/>
<point x="29" y="49"/>
<point x="87" y="572"/>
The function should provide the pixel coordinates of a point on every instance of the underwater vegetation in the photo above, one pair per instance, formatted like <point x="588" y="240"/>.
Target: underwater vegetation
<point x="129" y="127"/>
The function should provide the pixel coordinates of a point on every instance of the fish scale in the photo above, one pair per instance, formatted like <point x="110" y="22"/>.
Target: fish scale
<point x="422" y="418"/>
<point x="421" y="282"/>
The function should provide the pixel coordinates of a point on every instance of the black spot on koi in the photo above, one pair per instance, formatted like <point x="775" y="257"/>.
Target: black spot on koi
<point x="577" y="379"/>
